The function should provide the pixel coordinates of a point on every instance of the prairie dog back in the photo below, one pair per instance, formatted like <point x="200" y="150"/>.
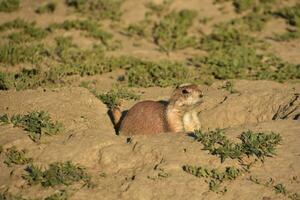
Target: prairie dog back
<point x="144" y="118"/>
<point x="152" y="117"/>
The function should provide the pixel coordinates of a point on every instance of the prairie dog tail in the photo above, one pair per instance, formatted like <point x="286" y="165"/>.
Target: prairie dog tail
<point x="116" y="115"/>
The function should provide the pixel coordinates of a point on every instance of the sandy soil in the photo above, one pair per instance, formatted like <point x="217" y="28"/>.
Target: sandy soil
<point x="132" y="168"/>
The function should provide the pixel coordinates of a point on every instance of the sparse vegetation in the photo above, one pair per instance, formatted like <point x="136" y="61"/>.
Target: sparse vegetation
<point x="114" y="97"/>
<point x="252" y="144"/>
<point x="37" y="124"/>
<point x="64" y="173"/>
<point x="46" y="8"/>
<point x="9" y="5"/>
<point x="171" y="33"/>
<point x="91" y="27"/>
<point x="101" y="9"/>
<point x="4" y="119"/>
<point x="5" y="195"/>
<point x="16" y="157"/>
<point x="163" y="74"/>
<point x="62" y="195"/>
<point x="278" y="188"/>
<point x="215" y="177"/>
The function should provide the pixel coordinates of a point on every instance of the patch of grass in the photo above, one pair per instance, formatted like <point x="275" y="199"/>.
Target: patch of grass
<point x="163" y="74"/>
<point x="233" y="54"/>
<point x="100" y="9"/>
<point x="141" y="29"/>
<point x="25" y="79"/>
<point x="92" y="28"/>
<point x="278" y="188"/>
<point x="14" y="24"/>
<point x="291" y="14"/>
<point x="37" y="124"/>
<point x="5" y="195"/>
<point x="158" y="9"/>
<point x="252" y="144"/>
<point x="46" y="8"/>
<point x="28" y="33"/>
<point x="9" y="5"/>
<point x="16" y="157"/>
<point x="242" y="5"/>
<point x="62" y="195"/>
<point x="289" y="35"/>
<point x="171" y="33"/>
<point x="114" y="97"/>
<point x="59" y="173"/>
<point x="13" y="54"/>
<point x="4" y="119"/>
<point x="214" y="176"/>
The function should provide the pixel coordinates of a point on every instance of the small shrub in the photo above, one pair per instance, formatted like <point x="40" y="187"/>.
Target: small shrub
<point x="47" y="8"/>
<point x="259" y="144"/>
<point x="171" y="32"/>
<point x="9" y="5"/>
<point x="37" y="124"/>
<point x="14" y="156"/>
<point x="60" y="173"/>
<point x="252" y="144"/>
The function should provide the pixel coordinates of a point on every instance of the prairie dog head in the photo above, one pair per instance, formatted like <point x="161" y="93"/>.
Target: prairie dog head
<point x="185" y="96"/>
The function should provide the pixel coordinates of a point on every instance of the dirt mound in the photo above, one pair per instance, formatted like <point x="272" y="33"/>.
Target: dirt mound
<point x="151" y="167"/>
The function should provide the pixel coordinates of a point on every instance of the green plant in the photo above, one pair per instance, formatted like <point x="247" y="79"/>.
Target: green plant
<point x="171" y="32"/>
<point x="4" y="119"/>
<point x="242" y="5"/>
<point x="9" y="5"/>
<point x="62" y="195"/>
<point x="15" y="53"/>
<point x="280" y="188"/>
<point x="37" y="124"/>
<point x="101" y="9"/>
<point x="163" y="74"/>
<point x="214" y="176"/>
<point x="114" y="97"/>
<point x="91" y="27"/>
<point x="158" y="9"/>
<point x="252" y="144"/>
<point x="259" y="144"/>
<point x="28" y="33"/>
<point x="291" y="14"/>
<point x="14" y="156"/>
<point x="5" y="195"/>
<point x="59" y="173"/>
<point x="46" y="8"/>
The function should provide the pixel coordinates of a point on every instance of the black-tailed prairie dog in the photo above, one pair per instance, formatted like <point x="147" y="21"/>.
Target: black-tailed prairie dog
<point x="152" y="117"/>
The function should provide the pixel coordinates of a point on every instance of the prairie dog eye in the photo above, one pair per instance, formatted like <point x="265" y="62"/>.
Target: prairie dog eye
<point x="185" y="91"/>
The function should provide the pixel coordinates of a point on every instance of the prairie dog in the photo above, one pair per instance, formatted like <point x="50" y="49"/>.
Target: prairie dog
<point x="152" y="117"/>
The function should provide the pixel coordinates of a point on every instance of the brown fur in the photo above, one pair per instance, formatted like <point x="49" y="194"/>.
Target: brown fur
<point x="152" y="117"/>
